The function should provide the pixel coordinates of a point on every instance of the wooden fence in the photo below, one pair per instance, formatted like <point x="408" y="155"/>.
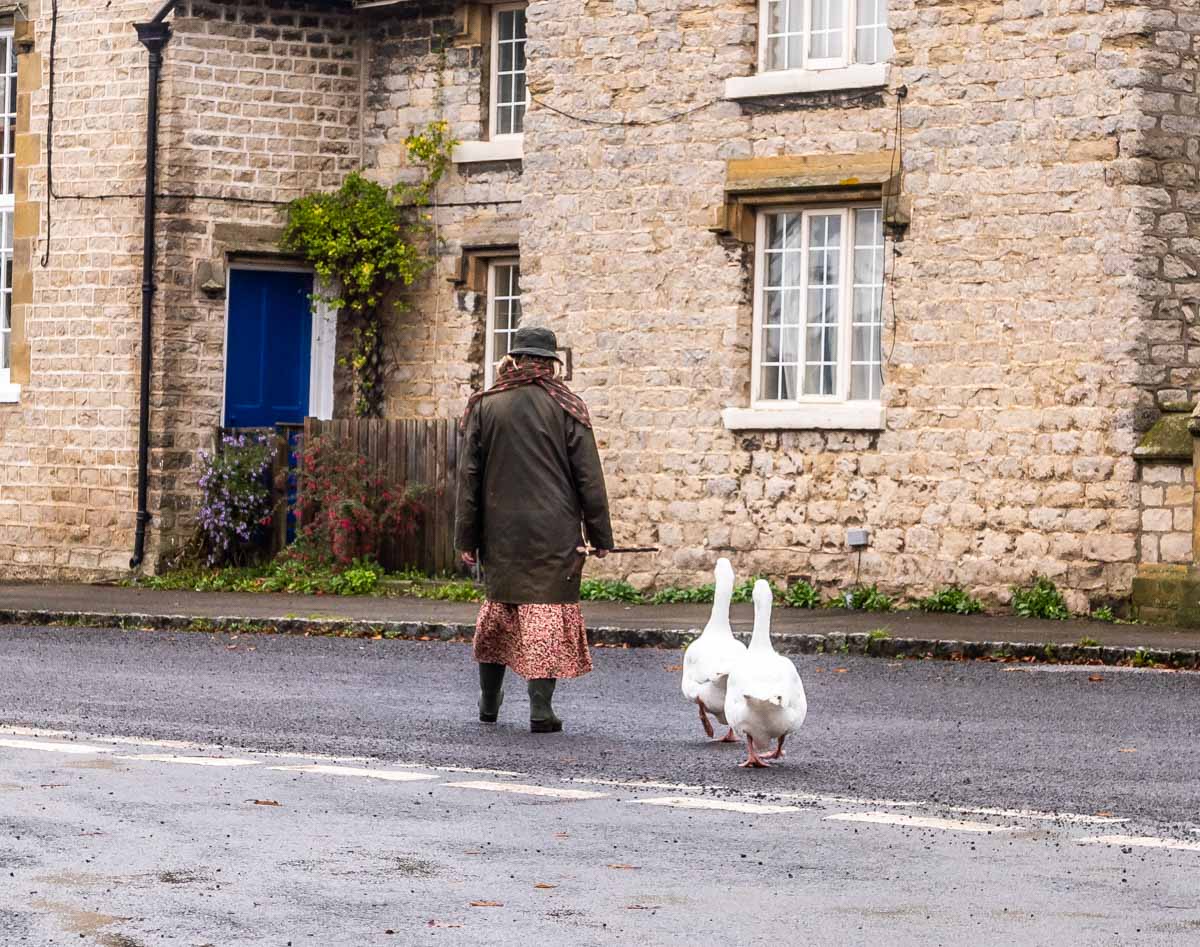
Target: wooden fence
<point x="416" y="452"/>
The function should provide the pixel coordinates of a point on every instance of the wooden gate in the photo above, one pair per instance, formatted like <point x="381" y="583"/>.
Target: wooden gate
<point x="409" y="452"/>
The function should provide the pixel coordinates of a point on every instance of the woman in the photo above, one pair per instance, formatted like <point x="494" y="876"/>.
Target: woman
<point x="529" y="480"/>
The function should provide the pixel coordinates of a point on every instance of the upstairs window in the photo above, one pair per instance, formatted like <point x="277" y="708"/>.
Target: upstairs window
<point x="823" y="34"/>
<point x="510" y="94"/>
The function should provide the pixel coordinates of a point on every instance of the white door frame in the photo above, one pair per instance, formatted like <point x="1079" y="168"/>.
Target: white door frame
<point x="322" y="356"/>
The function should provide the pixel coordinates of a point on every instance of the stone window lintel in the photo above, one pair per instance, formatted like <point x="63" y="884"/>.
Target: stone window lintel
<point x="753" y="183"/>
<point x="470" y="270"/>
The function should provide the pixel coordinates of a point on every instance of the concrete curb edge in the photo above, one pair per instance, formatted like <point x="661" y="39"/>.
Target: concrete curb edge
<point x="831" y="644"/>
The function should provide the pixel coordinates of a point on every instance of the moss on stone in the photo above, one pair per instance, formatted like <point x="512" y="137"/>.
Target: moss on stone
<point x="1169" y="439"/>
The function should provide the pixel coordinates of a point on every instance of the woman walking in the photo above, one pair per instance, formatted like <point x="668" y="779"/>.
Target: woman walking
<point x="530" y="490"/>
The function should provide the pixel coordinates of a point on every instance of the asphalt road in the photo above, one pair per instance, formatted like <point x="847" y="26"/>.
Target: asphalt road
<point x="902" y="814"/>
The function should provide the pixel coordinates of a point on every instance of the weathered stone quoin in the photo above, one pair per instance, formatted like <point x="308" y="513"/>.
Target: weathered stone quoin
<point x="1042" y="227"/>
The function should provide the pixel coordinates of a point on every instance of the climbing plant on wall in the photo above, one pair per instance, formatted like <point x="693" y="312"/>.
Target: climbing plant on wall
<point x="364" y="239"/>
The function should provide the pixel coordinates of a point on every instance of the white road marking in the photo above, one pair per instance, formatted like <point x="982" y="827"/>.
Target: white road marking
<point x="918" y="822"/>
<point x="317" y="758"/>
<point x="209" y="748"/>
<point x="728" y="805"/>
<point x="850" y="800"/>
<point x="80" y="749"/>
<point x="1141" y="841"/>
<point x="636" y="784"/>
<point x="1034" y="814"/>
<point x="523" y="790"/>
<point x="1091" y="669"/>
<point x="469" y="769"/>
<point x="192" y="760"/>
<point x="402" y="776"/>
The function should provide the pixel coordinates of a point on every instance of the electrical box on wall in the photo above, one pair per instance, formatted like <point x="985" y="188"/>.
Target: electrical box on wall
<point x="858" y="538"/>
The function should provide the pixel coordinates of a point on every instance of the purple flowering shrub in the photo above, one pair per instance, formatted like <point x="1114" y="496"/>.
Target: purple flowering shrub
<point x="236" y="497"/>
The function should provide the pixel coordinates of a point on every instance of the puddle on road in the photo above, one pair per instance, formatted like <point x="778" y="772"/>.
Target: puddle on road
<point x="75" y="920"/>
<point x="101" y="762"/>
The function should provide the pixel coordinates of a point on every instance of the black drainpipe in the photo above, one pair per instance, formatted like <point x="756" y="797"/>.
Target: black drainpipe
<point x="154" y="36"/>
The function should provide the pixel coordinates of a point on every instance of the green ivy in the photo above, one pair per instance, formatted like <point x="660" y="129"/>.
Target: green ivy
<point x="362" y="241"/>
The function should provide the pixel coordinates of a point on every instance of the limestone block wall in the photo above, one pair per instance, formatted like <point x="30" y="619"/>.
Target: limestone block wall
<point x="1160" y="166"/>
<point x="266" y="103"/>
<point x="424" y="66"/>
<point x="1043" y="294"/>
<point x="1010" y="388"/>
<point x="68" y="448"/>
<point x="1167" y="492"/>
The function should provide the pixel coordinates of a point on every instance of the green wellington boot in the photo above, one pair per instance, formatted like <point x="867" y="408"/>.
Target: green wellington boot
<point x="491" y="693"/>
<point x="541" y="714"/>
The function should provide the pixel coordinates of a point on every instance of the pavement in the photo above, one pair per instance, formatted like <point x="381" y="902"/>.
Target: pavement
<point x="238" y="790"/>
<point x="797" y="631"/>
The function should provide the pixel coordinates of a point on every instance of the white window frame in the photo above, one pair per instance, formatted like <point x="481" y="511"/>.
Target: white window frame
<point x="9" y="393"/>
<point x="496" y="147"/>
<point x="833" y="411"/>
<point x="494" y="69"/>
<point x="814" y="75"/>
<point x="489" y="347"/>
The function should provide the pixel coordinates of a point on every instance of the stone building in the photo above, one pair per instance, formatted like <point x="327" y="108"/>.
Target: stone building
<point x="924" y="268"/>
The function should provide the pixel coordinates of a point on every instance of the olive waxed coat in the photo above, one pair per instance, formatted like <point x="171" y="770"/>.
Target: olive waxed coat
<point x="530" y="485"/>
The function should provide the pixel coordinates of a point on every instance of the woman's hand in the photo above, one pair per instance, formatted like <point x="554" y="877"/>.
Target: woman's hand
<point x="600" y="553"/>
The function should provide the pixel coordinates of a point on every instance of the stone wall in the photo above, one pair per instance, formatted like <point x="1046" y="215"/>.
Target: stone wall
<point x="68" y="449"/>
<point x="1160" y="167"/>
<point x="1033" y="323"/>
<point x="1166" y="494"/>
<point x="1010" y="398"/>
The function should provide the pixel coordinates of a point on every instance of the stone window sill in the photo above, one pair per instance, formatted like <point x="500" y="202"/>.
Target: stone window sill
<point x="508" y="148"/>
<point x="792" y="81"/>
<point x="9" y="394"/>
<point x="838" y="416"/>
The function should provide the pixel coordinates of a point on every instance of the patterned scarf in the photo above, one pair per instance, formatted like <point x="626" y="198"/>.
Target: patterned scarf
<point x="541" y="375"/>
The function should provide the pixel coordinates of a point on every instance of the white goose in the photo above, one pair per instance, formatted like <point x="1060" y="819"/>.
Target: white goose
<point x="709" y="659"/>
<point x="765" y="699"/>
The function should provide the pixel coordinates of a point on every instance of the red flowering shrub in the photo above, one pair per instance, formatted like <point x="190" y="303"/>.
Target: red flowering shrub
<point x="345" y="510"/>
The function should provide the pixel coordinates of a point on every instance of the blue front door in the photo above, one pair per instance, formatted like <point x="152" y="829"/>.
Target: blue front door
<point x="269" y="352"/>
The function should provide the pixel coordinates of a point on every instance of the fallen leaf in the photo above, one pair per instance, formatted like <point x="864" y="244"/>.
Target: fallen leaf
<point x="542" y="886"/>
<point x="840" y="670"/>
<point x="674" y="667"/>
<point x="265" y="802"/>
<point x="472" y="852"/>
<point x="561" y="835"/>
<point x="1127" y="749"/>
<point x="1095" y="678"/>
<point x="1105" y="815"/>
<point x="487" y="904"/>
<point x="625" y="867"/>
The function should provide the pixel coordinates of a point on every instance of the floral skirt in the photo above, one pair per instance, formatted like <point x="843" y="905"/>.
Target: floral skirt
<point x="536" y="641"/>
